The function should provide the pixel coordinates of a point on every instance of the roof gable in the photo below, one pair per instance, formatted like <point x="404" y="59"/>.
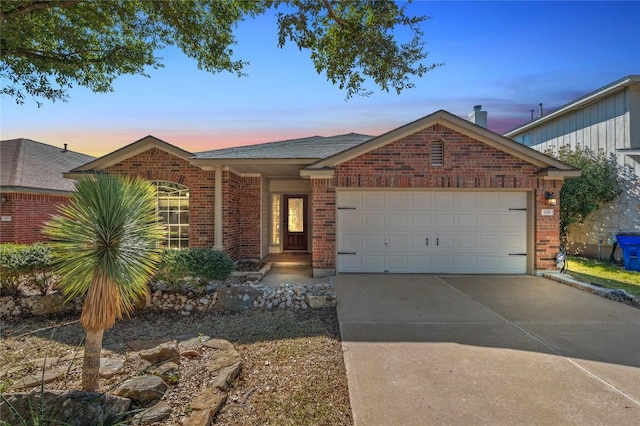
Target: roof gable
<point x="576" y="104"/>
<point x="132" y="150"/>
<point x="453" y="122"/>
<point x="29" y="164"/>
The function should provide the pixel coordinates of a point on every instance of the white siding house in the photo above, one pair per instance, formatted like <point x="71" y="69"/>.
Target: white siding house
<point x="607" y="119"/>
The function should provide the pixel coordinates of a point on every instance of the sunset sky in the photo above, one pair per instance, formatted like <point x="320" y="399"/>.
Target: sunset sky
<point x="506" y="56"/>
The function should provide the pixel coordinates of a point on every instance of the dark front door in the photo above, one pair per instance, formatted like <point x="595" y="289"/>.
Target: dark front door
<point x="295" y="222"/>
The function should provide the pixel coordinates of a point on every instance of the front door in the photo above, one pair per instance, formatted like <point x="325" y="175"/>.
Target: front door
<point x="295" y="222"/>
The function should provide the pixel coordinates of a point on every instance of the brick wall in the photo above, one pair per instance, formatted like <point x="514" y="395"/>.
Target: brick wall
<point x="249" y="218"/>
<point x="156" y="164"/>
<point x="406" y="163"/>
<point x="323" y="206"/>
<point x="28" y="213"/>
<point x="231" y="189"/>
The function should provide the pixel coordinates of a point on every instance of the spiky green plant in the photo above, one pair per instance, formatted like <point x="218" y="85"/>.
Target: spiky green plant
<point x="104" y="246"/>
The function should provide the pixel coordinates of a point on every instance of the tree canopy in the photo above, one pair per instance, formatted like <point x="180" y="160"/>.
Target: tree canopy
<point x="48" y="47"/>
<point x="597" y="184"/>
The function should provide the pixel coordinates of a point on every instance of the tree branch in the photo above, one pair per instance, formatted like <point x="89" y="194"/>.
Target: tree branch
<point x="332" y="13"/>
<point x="38" y="5"/>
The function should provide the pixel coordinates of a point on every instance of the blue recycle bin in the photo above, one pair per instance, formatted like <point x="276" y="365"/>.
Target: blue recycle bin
<point x="630" y="245"/>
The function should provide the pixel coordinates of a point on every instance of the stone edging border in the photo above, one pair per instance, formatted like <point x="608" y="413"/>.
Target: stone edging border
<point x="617" y="295"/>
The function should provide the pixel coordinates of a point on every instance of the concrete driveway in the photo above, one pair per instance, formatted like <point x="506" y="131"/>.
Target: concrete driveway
<point x="489" y="350"/>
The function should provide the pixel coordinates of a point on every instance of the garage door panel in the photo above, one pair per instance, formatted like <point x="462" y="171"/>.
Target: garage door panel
<point x="374" y="263"/>
<point x="514" y="264"/>
<point x="399" y="242"/>
<point x="351" y="220"/>
<point x="443" y="221"/>
<point x="351" y="242"/>
<point x="466" y="221"/>
<point x="443" y="200"/>
<point x="375" y="221"/>
<point x="420" y="200"/>
<point x="466" y="242"/>
<point x="468" y="200"/>
<point x="419" y="263"/>
<point x="398" y="200"/>
<point x="420" y="222"/>
<point x="397" y="264"/>
<point x="374" y="199"/>
<point x="489" y="222"/>
<point x="513" y="221"/>
<point x="433" y="232"/>
<point x="374" y="242"/>
<point x="397" y="222"/>
<point x="489" y="200"/>
<point x="513" y="200"/>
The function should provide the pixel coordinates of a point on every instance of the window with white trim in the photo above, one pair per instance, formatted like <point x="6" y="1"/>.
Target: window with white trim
<point x="172" y="205"/>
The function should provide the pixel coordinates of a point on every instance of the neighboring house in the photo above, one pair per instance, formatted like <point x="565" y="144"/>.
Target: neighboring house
<point x="438" y="195"/>
<point x="32" y="186"/>
<point x="607" y="119"/>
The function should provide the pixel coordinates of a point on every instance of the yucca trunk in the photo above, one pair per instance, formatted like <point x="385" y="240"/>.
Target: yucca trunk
<point x="91" y="362"/>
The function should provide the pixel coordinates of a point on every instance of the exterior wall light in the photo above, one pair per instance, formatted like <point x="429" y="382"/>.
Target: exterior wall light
<point x="551" y="198"/>
<point x="3" y="200"/>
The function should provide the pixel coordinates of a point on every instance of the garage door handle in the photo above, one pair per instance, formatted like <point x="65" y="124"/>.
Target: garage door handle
<point x="517" y="254"/>
<point x="346" y="252"/>
<point x="437" y="241"/>
<point x="427" y="241"/>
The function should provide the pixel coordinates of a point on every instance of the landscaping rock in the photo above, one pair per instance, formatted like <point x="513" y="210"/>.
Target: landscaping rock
<point x="109" y="367"/>
<point x="236" y="298"/>
<point x="143" y="389"/>
<point x="168" y="371"/>
<point x="156" y="413"/>
<point x="225" y="376"/>
<point x="210" y="399"/>
<point x="200" y="418"/>
<point x="223" y="359"/>
<point x="218" y="344"/>
<point x="317" y="302"/>
<point x="75" y="408"/>
<point x="38" y="379"/>
<point x="49" y="304"/>
<point x="139" y="345"/>
<point x="165" y="352"/>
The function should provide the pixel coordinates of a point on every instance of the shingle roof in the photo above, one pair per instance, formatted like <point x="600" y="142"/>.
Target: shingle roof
<point x="29" y="164"/>
<point x="311" y="147"/>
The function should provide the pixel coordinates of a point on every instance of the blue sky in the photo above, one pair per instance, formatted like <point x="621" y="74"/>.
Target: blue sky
<point x="506" y="56"/>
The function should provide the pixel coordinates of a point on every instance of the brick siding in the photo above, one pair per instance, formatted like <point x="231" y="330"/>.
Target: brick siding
<point x="28" y="212"/>
<point x="406" y="163"/>
<point x="156" y="164"/>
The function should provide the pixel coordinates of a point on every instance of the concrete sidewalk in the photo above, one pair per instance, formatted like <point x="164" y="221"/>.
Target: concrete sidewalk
<point x="499" y="350"/>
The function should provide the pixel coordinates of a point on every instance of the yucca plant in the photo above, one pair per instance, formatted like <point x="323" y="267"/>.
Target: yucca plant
<point x="104" y="245"/>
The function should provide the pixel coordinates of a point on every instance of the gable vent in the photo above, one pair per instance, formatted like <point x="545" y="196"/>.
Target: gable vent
<point x="437" y="153"/>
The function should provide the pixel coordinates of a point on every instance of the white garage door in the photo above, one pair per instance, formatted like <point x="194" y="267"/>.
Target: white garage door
<point x="432" y="232"/>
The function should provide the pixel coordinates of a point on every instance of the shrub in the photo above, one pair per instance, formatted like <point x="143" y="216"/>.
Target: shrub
<point x="207" y="264"/>
<point x="20" y="262"/>
<point x="172" y="267"/>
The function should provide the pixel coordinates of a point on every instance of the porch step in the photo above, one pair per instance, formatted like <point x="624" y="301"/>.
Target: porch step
<point x="291" y="263"/>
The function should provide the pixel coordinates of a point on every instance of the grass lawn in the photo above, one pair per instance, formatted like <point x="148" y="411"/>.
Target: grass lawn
<point x="605" y="274"/>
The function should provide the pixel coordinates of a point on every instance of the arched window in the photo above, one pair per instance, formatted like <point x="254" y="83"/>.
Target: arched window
<point x="173" y="209"/>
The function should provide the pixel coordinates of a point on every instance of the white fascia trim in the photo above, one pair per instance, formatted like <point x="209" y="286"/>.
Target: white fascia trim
<point x="317" y="174"/>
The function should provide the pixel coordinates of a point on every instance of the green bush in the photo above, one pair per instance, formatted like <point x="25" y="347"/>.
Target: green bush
<point x="207" y="264"/>
<point x="18" y="262"/>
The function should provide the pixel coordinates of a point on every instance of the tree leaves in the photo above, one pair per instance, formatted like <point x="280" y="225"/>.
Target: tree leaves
<point x="598" y="184"/>
<point x="48" y="47"/>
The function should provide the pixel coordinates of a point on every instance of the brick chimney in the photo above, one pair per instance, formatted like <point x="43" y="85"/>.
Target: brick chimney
<point x="478" y="116"/>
